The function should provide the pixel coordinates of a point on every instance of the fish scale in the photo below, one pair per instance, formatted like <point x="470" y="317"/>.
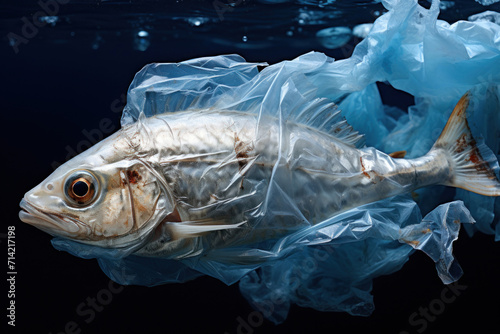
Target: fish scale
<point x="319" y="174"/>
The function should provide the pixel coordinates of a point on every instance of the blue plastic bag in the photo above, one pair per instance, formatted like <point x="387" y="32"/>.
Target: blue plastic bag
<point x="330" y="266"/>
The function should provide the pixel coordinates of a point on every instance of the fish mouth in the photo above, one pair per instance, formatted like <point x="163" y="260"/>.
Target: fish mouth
<point x="52" y="223"/>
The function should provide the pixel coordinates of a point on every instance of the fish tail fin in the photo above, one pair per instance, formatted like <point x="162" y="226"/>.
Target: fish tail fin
<point x="473" y="164"/>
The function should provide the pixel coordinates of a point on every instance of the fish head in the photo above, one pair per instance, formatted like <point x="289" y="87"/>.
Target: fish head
<point x="100" y="198"/>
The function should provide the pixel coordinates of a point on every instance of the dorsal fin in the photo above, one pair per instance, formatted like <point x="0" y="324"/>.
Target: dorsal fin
<point x="290" y="95"/>
<point x="325" y="115"/>
<point x="321" y="113"/>
<point x="282" y="90"/>
<point x="197" y="83"/>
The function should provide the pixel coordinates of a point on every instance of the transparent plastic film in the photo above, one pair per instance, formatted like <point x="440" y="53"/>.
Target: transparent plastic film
<point x="260" y="210"/>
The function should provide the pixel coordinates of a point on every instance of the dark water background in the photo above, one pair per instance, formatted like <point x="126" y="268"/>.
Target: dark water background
<point x="73" y="72"/>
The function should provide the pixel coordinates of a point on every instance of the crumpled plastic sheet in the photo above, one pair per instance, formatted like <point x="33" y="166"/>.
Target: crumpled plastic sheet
<point x="337" y="275"/>
<point x="330" y="266"/>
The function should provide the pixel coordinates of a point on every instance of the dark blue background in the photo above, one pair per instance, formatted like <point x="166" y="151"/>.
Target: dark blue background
<point x="56" y="87"/>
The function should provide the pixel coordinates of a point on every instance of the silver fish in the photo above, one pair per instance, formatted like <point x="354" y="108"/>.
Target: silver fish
<point x="176" y="185"/>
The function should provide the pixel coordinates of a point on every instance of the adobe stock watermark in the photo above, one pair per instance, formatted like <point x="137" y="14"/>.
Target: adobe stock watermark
<point x="420" y="319"/>
<point x="30" y="27"/>
<point x="249" y="323"/>
<point x="223" y="6"/>
<point x="93" y="136"/>
<point x="358" y="36"/>
<point x="348" y="48"/>
<point x="87" y="310"/>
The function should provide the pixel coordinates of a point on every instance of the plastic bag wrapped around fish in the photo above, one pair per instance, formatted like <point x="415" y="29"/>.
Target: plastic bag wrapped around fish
<point x="201" y="176"/>
<point x="324" y="264"/>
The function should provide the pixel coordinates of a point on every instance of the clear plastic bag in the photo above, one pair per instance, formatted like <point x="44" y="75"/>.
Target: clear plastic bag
<point x="330" y="266"/>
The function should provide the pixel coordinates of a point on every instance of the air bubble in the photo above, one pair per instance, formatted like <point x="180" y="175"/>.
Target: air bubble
<point x="141" y="40"/>
<point x="335" y="37"/>
<point x="197" y="21"/>
<point x="51" y="20"/>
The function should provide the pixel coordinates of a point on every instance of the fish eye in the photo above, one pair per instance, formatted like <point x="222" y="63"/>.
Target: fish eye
<point x="80" y="188"/>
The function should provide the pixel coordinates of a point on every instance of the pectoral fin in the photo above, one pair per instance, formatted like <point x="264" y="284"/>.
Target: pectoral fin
<point x="190" y="229"/>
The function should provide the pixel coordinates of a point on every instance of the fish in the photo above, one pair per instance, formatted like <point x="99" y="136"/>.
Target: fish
<point x="176" y="185"/>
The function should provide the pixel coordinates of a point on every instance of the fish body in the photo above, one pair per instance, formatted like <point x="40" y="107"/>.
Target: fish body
<point x="176" y="185"/>
<point x="221" y="166"/>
